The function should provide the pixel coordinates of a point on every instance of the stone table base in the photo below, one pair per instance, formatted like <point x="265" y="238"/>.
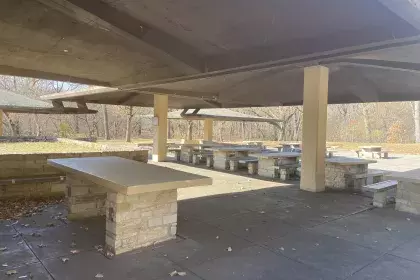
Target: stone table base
<point x="84" y="198"/>
<point x="345" y="177"/>
<point x="140" y="220"/>
<point x="408" y="197"/>
<point x="132" y="221"/>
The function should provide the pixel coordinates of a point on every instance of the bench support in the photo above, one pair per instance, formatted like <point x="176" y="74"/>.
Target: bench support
<point x="209" y="161"/>
<point x="252" y="168"/>
<point x="84" y="199"/>
<point x="380" y="199"/>
<point x="136" y="221"/>
<point x="233" y="165"/>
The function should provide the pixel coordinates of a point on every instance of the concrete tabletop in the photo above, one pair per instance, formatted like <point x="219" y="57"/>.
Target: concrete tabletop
<point x="348" y="161"/>
<point x="278" y="155"/>
<point x="234" y="149"/>
<point x="129" y="176"/>
<point x="370" y="147"/>
<point x="412" y="176"/>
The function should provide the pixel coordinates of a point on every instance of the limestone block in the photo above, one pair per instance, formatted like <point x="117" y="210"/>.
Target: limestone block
<point x="253" y="168"/>
<point x="233" y="165"/>
<point x="140" y="220"/>
<point x="209" y="161"/>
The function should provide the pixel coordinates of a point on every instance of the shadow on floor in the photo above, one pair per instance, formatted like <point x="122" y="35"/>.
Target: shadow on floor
<point x="266" y="233"/>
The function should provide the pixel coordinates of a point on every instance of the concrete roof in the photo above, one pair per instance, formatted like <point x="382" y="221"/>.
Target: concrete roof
<point x="11" y="102"/>
<point x="221" y="53"/>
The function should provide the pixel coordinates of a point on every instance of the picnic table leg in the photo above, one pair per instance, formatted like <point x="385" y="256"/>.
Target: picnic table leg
<point x="140" y="220"/>
<point x="84" y="199"/>
<point x="220" y="160"/>
<point x="186" y="155"/>
<point x="266" y="167"/>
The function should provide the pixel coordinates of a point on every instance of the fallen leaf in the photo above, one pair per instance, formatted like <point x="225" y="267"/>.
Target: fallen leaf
<point x="42" y="245"/>
<point x="11" y="272"/>
<point x="182" y="273"/>
<point x="388" y="229"/>
<point x="229" y="249"/>
<point x="173" y="273"/>
<point x="64" y="260"/>
<point x="5" y="265"/>
<point x="99" y="275"/>
<point x="74" y="252"/>
<point x="23" y="277"/>
<point x="3" y="249"/>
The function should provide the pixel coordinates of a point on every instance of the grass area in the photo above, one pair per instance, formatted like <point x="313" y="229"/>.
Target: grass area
<point x="43" y="147"/>
<point x="58" y="147"/>
<point x="412" y="148"/>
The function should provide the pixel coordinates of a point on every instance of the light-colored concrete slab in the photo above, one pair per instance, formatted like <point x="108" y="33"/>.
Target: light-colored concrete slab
<point x="127" y="176"/>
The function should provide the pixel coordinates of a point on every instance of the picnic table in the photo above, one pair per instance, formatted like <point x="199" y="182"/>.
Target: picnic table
<point x="138" y="199"/>
<point x="270" y="163"/>
<point x="408" y="190"/>
<point x="289" y="147"/>
<point x="345" y="173"/>
<point x="223" y="154"/>
<point x="372" y="152"/>
<point x="187" y="150"/>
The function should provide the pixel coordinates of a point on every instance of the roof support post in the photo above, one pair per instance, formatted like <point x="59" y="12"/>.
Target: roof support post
<point x="315" y="101"/>
<point x="208" y="129"/>
<point x="160" y="122"/>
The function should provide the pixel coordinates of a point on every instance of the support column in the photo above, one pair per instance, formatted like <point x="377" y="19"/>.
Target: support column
<point x="315" y="101"/>
<point x="1" y="123"/>
<point x="208" y="129"/>
<point x="161" y="127"/>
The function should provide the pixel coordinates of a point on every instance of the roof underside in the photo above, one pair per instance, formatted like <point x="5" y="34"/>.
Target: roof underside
<point x="15" y="103"/>
<point x="219" y="53"/>
<point x="218" y="114"/>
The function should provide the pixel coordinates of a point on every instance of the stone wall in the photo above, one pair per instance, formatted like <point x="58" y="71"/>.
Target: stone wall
<point x="16" y="166"/>
<point x="408" y="197"/>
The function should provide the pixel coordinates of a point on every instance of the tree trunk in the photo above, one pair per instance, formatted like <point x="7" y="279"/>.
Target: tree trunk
<point x="106" y="124"/>
<point x="128" y="129"/>
<point x="10" y="124"/>
<point x="417" y="120"/>
<point x="368" y="130"/>
<point x="190" y="130"/>
<point x="37" y="126"/>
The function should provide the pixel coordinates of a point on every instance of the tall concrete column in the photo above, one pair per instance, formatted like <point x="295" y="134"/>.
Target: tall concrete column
<point x="161" y="127"/>
<point x="1" y="123"/>
<point x="208" y="129"/>
<point x="315" y="101"/>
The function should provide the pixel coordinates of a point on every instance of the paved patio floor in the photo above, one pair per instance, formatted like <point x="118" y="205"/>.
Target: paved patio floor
<point x="239" y="228"/>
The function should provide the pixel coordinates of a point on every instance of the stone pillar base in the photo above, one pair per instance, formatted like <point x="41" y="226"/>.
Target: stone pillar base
<point x="140" y="220"/>
<point x="196" y="159"/>
<point x="252" y="168"/>
<point x="84" y="199"/>
<point x="220" y="161"/>
<point x="266" y="168"/>
<point x="233" y="165"/>
<point x="186" y="155"/>
<point x="209" y="161"/>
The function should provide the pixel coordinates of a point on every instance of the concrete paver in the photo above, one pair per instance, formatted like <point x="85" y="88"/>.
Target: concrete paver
<point x="274" y="231"/>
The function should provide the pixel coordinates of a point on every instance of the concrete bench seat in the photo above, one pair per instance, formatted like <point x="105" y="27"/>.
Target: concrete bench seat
<point x="177" y="152"/>
<point x="286" y="171"/>
<point x="251" y="164"/>
<point x="199" y="155"/>
<point x="234" y="161"/>
<point x="32" y="179"/>
<point x="138" y="199"/>
<point x="381" y="192"/>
